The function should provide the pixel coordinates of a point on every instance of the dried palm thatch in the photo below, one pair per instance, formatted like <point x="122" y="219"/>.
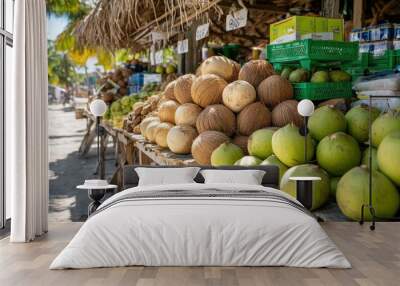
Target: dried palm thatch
<point x="115" y="24"/>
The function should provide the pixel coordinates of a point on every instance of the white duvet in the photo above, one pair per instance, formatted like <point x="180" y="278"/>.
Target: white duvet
<point x="202" y="232"/>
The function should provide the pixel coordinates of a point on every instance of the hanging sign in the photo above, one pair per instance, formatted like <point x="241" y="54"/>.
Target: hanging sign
<point x="236" y="20"/>
<point x="158" y="36"/>
<point x="152" y="56"/>
<point x="202" y="31"/>
<point x="183" y="46"/>
<point x="158" y="57"/>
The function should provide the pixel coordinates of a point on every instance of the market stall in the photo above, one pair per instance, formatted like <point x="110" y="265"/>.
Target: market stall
<point x="234" y="95"/>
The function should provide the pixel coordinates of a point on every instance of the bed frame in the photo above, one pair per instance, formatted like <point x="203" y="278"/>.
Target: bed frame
<point x="271" y="177"/>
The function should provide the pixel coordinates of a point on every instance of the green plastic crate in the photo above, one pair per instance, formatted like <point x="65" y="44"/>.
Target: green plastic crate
<point x="322" y="91"/>
<point x="388" y="61"/>
<point x="309" y="52"/>
<point x="361" y="62"/>
<point x="356" y="72"/>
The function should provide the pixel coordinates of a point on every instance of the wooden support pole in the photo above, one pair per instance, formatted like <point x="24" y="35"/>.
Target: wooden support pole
<point x="330" y="8"/>
<point x="358" y="12"/>
<point x="103" y="151"/>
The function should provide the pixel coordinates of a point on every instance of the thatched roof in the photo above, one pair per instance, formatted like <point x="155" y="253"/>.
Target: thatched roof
<point x="115" y="24"/>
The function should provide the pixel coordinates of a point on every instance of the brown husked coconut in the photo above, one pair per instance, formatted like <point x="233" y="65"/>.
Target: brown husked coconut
<point x="275" y="89"/>
<point x="216" y="117"/>
<point x="241" y="141"/>
<point x="145" y="122"/>
<point x="220" y="66"/>
<point x="285" y="113"/>
<point x="182" y="89"/>
<point x="108" y="96"/>
<point x="207" y="89"/>
<point x="253" y="117"/>
<point x="255" y="71"/>
<point x="166" y="111"/>
<point x="123" y="91"/>
<point x="238" y="94"/>
<point x="180" y="139"/>
<point x="187" y="114"/>
<point x="205" y="144"/>
<point x="122" y="83"/>
<point x="151" y="131"/>
<point x="161" y="133"/>
<point x="169" y="91"/>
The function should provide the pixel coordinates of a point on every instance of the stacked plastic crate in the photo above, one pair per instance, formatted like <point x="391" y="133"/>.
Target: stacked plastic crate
<point x="311" y="54"/>
<point x="135" y="82"/>
<point x="379" y="48"/>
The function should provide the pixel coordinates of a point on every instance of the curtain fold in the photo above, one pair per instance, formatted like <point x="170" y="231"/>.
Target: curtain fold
<point x="27" y="124"/>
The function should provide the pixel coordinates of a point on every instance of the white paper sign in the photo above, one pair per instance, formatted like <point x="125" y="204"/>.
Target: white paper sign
<point x="236" y="20"/>
<point x="158" y="36"/>
<point x="159" y="57"/>
<point x="183" y="46"/>
<point x="152" y="57"/>
<point x="202" y="31"/>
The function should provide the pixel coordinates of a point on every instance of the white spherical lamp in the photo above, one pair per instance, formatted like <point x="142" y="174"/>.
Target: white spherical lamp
<point x="98" y="107"/>
<point x="305" y="108"/>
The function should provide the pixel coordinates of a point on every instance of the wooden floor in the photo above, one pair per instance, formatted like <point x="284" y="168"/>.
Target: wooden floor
<point x="375" y="257"/>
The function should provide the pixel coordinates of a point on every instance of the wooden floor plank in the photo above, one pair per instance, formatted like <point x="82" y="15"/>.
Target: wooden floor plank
<point x="375" y="257"/>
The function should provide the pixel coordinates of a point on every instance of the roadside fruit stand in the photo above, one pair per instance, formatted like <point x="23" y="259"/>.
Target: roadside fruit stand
<point x="239" y="107"/>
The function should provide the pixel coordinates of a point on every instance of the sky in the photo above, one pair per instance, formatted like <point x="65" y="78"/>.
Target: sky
<point x="55" y="25"/>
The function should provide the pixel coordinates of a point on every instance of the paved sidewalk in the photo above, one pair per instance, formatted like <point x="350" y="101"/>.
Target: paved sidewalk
<point x="67" y="168"/>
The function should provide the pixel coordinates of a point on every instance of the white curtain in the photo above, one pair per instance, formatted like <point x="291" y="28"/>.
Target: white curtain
<point x="26" y="127"/>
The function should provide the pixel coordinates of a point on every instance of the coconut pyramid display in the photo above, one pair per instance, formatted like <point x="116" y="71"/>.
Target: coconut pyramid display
<point x="110" y="80"/>
<point x="226" y="115"/>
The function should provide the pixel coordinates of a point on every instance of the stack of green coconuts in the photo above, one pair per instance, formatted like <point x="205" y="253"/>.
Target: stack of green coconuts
<point x="337" y="152"/>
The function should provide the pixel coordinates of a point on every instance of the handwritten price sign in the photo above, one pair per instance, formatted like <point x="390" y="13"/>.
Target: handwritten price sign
<point x="183" y="46"/>
<point x="202" y="31"/>
<point x="159" y="57"/>
<point x="236" y="20"/>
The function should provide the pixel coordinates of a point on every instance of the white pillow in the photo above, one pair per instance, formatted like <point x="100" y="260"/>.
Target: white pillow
<point x="246" y="177"/>
<point x="166" y="176"/>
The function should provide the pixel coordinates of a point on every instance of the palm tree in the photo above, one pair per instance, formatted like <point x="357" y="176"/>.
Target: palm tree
<point x="71" y="8"/>
<point x="61" y="71"/>
<point x="75" y="11"/>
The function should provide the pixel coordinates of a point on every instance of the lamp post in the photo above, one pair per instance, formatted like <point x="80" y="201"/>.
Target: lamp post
<point x="98" y="107"/>
<point x="305" y="108"/>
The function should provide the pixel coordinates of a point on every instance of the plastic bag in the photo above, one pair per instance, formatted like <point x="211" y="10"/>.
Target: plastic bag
<point x="380" y="81"/>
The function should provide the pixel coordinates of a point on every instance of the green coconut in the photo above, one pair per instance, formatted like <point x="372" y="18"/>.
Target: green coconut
<point x="353" y="192"/>
<point x="325" y="121"/>
<point x="298" y="75"/>
<point x="273" y="160"/>
<point x="338" y="153"/>
<point x="260" y="142"/>
<point x="338" y="76"/>
<point x="320" y="76"/>
<point x="365" y="158"/>
<point x="321" y="189"/>
<point x="358" y="121"/>
<point x="248" y="161"/>
<point x="389" y="156"/>
<point x="383" y="125"/>
<point x="226" y="154"/>
<point x="334" y="182"/>
<point x="286" y="72"/>
<point x="288" y="146"/>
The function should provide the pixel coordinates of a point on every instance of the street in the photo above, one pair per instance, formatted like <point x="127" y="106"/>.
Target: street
<point x="67" y="168"/>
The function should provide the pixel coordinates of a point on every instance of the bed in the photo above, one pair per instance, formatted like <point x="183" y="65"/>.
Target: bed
<point x="198" y="224"/>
